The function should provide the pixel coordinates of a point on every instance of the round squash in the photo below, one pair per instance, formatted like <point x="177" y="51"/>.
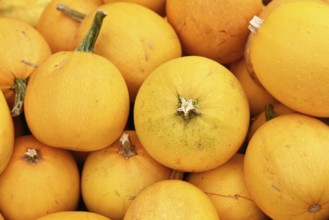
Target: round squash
<point x="7" y="133"/>
<point x="226" y="188"/>
<point x="120" y="172"/>
<point x="38" y="180"/>
<point x="191" y="109"/>
<point x="22" y="49"/>
<point x="171" y="199"/>
<point x="294" y="68"/>
<point x="58" y="28"/>
<point x="73" y="215"/>
<point x="216" y="29"/>
<point x="135" y="39"/>
<point x="286" y="167"/>
<point x="77" y="100"/>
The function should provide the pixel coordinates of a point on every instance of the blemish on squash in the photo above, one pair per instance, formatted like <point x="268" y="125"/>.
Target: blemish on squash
<point x="276" y="188"/>
<point x="29" y="63"/>
<point x="235" y="196"/>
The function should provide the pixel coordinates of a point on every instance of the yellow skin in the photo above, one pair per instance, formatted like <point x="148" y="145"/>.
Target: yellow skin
<point x="212" y="135"/>
<point x="73" y="215"/>
<point x="106" y="172"/>
<point x="28" y="11"/>
<point x="286" y="167"/>
<point x="258" y="97"/>
<point x="226" y="188"/>
<point x="135" y="39"/>
<point x="25" y="50"/>
<point x="50" y="184"/>
<point x="294" y="68"/>
<point x="81" y="96"/>
<point x="6" y="133"/>
<point x="156" y="5"/>
<point x="171" y="199"/>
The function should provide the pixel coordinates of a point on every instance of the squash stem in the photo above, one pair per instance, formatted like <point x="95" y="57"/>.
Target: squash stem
<point x="314" y="208"/>
<point x="72" y="13"/>
<point x="187" y="108"/>
<point x="269" y="112"/>
<point x="176" y="175"/>
<point x="88" y="42"/>
<point x="32" y="156"/>
<point x="19" y="87"/>
<point x="127" y="148"/>
<point x="255" y="24"/>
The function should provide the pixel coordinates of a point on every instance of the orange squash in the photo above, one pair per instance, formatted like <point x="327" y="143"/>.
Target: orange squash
<point x="159" y="6"/>
<point x="135" y="39"/>
<point x="7" y="133"/>
<point x="191" y="114"/>
<point x="226" y="188"/>
<point x="294" y="70"/>
<point x="73" y="215"/>
<point x="58" y="28"/>
<point x="38" y="180"/>
<point x="171" y="199"/>
<point x="257" y="96"/>
<point x="77" y="100"/>
<point x="120" y="172"/>
<point x="22" y="49"/>
<point x="286" y="167"/>
<point x="216" y="29"/>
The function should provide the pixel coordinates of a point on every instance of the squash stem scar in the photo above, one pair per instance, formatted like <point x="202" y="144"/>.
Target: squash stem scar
<point x="187" y="108"/>
<point x="128" y="149"/>
<point x="314" y="208"/>
<point x="32" y="156"/>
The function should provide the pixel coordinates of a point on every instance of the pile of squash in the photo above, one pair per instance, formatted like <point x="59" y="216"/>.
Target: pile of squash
<point x="164" y="109"/>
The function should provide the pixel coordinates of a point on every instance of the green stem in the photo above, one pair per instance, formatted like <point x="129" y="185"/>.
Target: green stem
<point x="269" y="112"/>
<point x="19" y="87"/>
<point x="72" y="13"/>
<point x="88" y="42"/>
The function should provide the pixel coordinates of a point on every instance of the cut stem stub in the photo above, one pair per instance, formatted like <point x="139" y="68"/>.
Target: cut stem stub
<point x="127" y="148"/>
<point x="32" y="156"/>
<point x="314" y="208"/>
<point x="187" y="108"/>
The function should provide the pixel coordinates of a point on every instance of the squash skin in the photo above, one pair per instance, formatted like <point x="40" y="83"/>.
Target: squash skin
<point x="286" y="167"/>
<point x="73" y="215"/>
<point x="7" y="133"/>
<point x="85" y="105"/>
<point x="208" y="139"/>
<point x="48" y="184"/>
<point x="22" y="50"/>
<point x="296" y="78"/>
